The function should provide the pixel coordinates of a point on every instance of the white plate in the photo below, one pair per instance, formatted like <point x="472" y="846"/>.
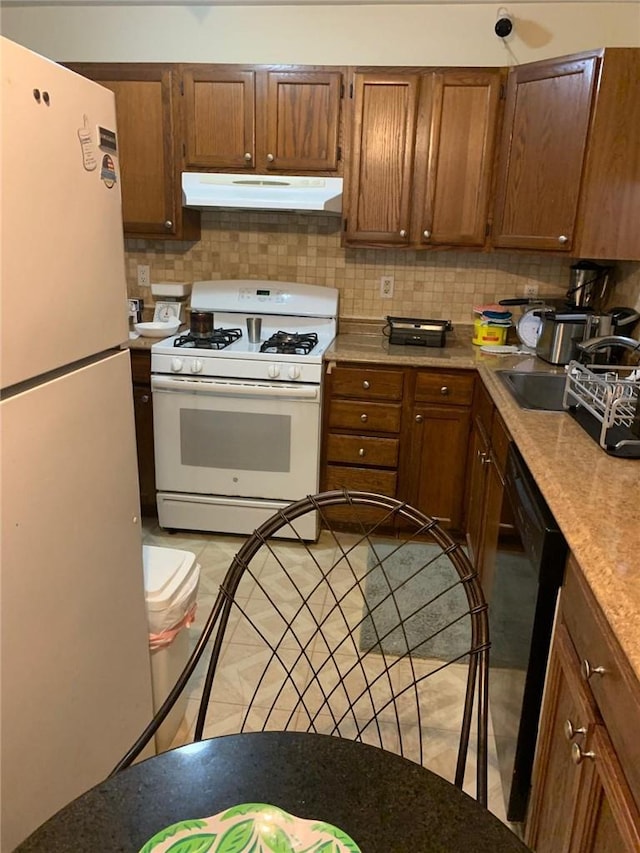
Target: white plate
<point x="157" y="330"/>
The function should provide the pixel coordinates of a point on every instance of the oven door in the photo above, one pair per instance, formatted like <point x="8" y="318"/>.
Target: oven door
<point x="236" y="437"/>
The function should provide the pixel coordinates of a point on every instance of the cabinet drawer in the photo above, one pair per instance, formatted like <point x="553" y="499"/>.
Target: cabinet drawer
<point x="367" y="384"/>
<point x="361" y="480"/>
<point x="441" y="387"/>
<point x="616" y="690"/>
<point x="363" y="450"/>
<point x="141" y="366"/>
<point x="374" y="417"/>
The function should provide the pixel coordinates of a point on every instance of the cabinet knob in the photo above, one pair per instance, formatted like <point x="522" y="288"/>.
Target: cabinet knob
<point x="248" y="157"/>
<point x="563" y="239"/>
<point x="588" y="670"/>
<point x="361" y="451"/>
<point x="403" y="233"/>
<point x="570" y="732"/>
<point x="444" y="390"/>
<point x="145" y="398"/>
<point x="578" y="755"/>
<point x="270" y="158"/>
<point x="419" y="419"/>
<point x="168" y="223"/>
<point x="366" y="385"/>
<point x="426" y="234"/>
<point x="364" y="418"/>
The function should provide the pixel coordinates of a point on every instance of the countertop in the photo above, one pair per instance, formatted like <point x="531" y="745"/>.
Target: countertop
<point x="594" y="497"/>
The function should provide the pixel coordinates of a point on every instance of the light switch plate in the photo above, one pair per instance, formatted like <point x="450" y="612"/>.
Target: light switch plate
<point x="164" y="311"/>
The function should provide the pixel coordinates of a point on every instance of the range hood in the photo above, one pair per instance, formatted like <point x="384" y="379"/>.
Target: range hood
<point x="262" y="192"/>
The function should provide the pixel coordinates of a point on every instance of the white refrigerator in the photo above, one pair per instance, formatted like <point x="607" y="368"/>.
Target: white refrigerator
<point x="75" y="670"/>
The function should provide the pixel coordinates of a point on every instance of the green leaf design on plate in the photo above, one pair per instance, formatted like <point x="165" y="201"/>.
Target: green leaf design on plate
<point x="168" y="831"/>
<point x="339" y="835"/>
<point x="200" y="843"/>
<point x="276" y="839"/>
<point x="245" y="808"/>
<point x="236" y="838"/>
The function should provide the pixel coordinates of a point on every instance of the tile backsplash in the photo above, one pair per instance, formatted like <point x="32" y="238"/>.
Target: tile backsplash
<point x="306" y="248"/>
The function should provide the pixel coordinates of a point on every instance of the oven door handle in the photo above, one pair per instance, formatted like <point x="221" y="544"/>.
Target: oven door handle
<point x="218" y="388"/>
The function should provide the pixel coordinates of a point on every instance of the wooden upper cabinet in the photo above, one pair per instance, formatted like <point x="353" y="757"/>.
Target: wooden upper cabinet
<point x="421" y="158"/>
<point x="378" y="209"/>
<point x="260" y="120"/>
<point x="220" y="117"/>
<point x="147" y="122"/>
<point x="457" y="129"/>
<point x="542" y="154"/>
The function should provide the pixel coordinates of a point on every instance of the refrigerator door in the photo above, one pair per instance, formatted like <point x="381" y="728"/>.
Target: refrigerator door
<point x="63" y="273"/>
<point x="76" y="685"/>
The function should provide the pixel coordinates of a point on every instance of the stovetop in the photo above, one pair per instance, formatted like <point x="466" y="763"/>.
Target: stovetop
<point x="291" y="345"/>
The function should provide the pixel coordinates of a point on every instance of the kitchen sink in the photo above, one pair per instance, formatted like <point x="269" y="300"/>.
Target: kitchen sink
<point x="543" y="391"/>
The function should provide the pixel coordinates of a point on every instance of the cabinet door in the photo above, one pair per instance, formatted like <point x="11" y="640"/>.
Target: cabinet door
<point x="220" y="118"/>
<point x="542" y="153"/>
<point x="478" y="463"/>
<point x="146" y="116"/>
<point x="302" y="121"/>
<point x="452" y="182"/>
<point x="568" y="718"/>
<point x="143" y="410"/>
<point x="378" y="205"/>
<point x="439" y="438"/>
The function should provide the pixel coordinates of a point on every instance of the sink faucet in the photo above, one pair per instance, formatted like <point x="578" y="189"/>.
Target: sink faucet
<point x="592" y="345"/>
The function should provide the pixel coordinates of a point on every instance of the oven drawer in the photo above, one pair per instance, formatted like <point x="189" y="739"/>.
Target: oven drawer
<point x="367" y="384"/>
<point x="369" y="417"/>
<point x="361" y="480"/>
<point x="363" y="450"/>
<point x="616" y="690"/>
<point x="444" y="387"/>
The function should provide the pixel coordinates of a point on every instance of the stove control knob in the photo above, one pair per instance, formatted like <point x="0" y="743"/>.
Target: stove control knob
<point x="196" y="365"/>
<point x="273" y="371"/>
<point x="294" y="372"/>
<point x="176" y="365"/>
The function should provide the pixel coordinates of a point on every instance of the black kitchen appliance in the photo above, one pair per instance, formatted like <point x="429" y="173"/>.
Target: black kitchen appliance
<point x="415" y="332"/>
<point x="523" y="581"/>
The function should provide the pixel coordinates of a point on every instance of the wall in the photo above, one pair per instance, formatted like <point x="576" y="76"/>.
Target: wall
<point x="306" y="248"/>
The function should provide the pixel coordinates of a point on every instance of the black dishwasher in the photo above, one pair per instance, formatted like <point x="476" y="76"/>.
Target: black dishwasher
<point x="524" y="583"/>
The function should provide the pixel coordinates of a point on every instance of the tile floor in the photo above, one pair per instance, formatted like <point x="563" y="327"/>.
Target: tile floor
<point x="241" y="657"/>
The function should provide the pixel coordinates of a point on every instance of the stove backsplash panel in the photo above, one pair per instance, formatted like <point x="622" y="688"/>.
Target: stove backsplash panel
<point x="306" y="248"/>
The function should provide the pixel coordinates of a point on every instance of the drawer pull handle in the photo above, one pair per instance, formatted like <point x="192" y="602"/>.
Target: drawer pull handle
<point x="366" y="385"/>
<point x="444" y="390"/>
<point x="419" y="419"/>
<point x="588" y="670"/>
<point x="361" y="451"/>
<point x="578" y="755"/>
<point x="364" y="418"/>
<point x="570" y="732"/>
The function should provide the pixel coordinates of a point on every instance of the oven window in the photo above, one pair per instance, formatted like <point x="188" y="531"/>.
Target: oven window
<point x="245" y="441"/>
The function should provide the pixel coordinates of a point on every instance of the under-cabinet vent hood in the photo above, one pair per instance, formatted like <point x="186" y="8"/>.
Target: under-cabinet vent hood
<point x="262" y="192"/>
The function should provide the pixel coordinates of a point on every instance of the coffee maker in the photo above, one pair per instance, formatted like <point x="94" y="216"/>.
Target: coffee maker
<point x="589" y="286"/>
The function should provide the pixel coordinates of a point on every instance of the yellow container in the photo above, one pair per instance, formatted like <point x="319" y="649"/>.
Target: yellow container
<point x="485" y="332"/>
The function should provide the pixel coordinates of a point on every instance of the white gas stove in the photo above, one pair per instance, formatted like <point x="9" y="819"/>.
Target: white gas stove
<point x="298" y="322"/>
<point x="237" y="424"/>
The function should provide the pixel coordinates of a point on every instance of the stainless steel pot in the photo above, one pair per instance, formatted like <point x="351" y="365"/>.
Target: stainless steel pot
<point x="560" y="336"/>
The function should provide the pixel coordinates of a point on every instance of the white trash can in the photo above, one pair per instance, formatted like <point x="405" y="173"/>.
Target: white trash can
<point x="171" y="578"/>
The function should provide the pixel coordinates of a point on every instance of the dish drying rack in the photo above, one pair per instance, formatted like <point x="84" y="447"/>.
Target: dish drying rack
<point x="604" y="401"/>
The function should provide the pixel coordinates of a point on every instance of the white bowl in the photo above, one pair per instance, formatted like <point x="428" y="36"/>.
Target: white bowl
<point x="157" y="330"/>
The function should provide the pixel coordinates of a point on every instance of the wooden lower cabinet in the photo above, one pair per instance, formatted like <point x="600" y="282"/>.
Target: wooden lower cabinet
<point x="143" y="411"/>
<point x="585" y="795"/>
<point x="400" y="432"/>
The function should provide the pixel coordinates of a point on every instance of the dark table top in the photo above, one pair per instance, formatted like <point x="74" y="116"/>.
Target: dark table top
<point x="384" y="802"/>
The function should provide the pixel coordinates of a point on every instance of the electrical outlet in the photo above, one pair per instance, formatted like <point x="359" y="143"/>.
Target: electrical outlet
<point x="144" y="275"/>
<point x="386" y="286"/>
<point x="530" y="289"/>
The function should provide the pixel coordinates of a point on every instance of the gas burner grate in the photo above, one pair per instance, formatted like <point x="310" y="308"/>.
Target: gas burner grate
<point x="290" y="343"/>
<point x="218" y="339"/>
